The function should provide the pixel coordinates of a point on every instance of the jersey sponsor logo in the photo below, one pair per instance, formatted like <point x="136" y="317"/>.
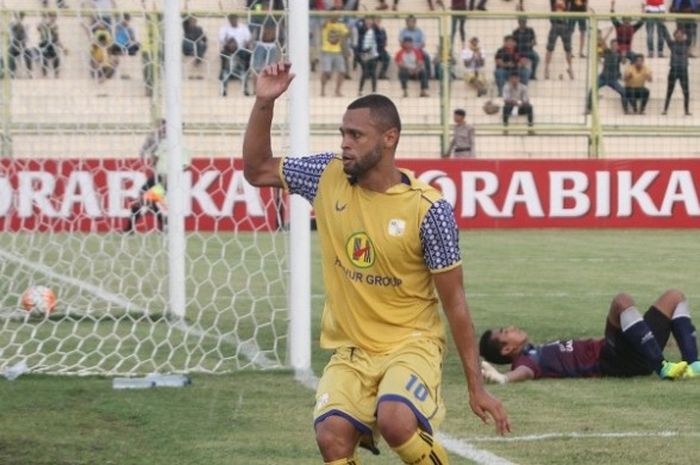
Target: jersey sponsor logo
<point x="366" y="278"/>
<point x="339" y="207"/>
<point x="360" y="250"/>
<point x="396" y="227"/>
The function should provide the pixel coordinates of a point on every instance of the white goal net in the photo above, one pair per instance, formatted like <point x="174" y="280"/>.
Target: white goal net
<point x="82" y="208"/>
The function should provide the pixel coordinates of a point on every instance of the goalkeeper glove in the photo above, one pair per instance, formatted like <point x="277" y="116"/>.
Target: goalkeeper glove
<point x="491" y="374"/>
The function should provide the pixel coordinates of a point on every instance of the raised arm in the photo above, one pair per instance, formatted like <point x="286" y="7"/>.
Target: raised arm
<point x="259" y="166"/>
<point x="665" y="34"/>
<point x="451" y="292"/>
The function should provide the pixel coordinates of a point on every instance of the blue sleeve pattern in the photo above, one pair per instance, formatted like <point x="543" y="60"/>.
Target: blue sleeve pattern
<point x="302" y="174"/>
<point x="440" y="237"/>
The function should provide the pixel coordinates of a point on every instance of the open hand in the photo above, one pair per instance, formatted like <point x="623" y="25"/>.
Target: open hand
<point x="273" y="81"/>
<point x="483" y="404"/>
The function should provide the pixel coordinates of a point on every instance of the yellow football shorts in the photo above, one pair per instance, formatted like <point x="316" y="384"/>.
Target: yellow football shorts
<point x="355" y="381"/>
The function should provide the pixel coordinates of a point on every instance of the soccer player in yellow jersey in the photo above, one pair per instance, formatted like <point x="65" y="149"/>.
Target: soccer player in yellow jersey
<point x="388" y="242"/>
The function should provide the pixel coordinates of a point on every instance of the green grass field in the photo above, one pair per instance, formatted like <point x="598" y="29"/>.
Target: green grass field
<point x="553" y="283"/>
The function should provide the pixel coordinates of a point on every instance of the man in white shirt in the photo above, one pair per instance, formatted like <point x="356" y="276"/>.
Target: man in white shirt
<point x="474" y="59"/>
<point x="237" y="31"/>
<point x="516" y="100"/>
<point x="235" y="50"/>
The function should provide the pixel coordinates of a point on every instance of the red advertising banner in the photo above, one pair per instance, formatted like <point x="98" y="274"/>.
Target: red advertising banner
<point x="97" y="195"/>
<point x="568" y="193"/>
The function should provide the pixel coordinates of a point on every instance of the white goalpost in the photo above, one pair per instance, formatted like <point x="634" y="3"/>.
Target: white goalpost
<point x="300" y="254"/>
<point x="213" y="291"/>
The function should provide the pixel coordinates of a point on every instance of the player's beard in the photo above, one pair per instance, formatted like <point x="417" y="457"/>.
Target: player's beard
<point x="363" y="164"/>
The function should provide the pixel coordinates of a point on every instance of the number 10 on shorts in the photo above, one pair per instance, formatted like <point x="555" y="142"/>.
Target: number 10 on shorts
<point x="418" y="389"/>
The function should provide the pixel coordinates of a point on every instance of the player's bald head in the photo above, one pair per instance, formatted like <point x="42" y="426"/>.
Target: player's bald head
<point x="382" y="110"/>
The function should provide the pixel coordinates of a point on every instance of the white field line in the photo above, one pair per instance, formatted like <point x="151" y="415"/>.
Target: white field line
<point x="466" y="450"/>
<point x="576" y="435"/>
<point x="454" y="445"/>
<point x="90" y="288"/>
<point x="248" y="349"/>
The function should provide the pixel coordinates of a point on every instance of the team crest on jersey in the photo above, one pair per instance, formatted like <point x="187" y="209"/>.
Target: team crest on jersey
<point x="396" y="227"/>
<point x="360" y="250"/>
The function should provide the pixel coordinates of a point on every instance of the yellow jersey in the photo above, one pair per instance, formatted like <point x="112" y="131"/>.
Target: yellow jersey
<point x="379" y="251"/>
<point x="332" y="37"/>
<point x="636" y="78"/>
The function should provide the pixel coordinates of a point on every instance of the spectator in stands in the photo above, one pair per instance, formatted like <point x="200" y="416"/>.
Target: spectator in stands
<point x="410" y="62"/>
<point x="50" y="44"/>
<point x="367" y="51"/>
<point x="194" y="43"/>
<point x="234" y="29"/>
<point x="507" y="62"/>
<point x="333" y="34"/>
<point x="315" y="26"/>
<point x="125" y="42"/>
<point x="636" y="77"/>
<point x="516" y="99"/>
<point x="263" y="10"/>
<point x="18" y="48"/>
<point x="602" y="41"/>
<point x="459" y="6"/>
<point x="525" y="41"/>
<point x="474" y="59"/>
<point x="235" y="42"/>
<point x="231" y="67"/>
<point x="624" y="32"/>
<point x="266" y="50"/>
<point x="654" y="7"/>
<point x="418" y="38"/>
<point x="688" y="26"/>
<point x="610" y="75"/>
<point x="384" y="57"/>
<point x="103" y="63"/>
<point x="559" y="28"/>
<point x="678" y="70"/>
<point x="579" y="6"/>
<point x="462" y="144"/>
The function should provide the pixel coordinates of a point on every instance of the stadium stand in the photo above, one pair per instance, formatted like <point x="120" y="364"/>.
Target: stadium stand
<point x="74" y="115"/>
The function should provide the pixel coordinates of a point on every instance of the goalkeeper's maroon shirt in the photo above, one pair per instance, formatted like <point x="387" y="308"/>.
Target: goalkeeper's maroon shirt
<point x="574" y="358"/>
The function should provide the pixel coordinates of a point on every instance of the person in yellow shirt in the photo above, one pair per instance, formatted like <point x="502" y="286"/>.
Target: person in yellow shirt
<point x="102" y="62"/>
<point x="390" y="255"/>
<point x="636" y="76"/>
<point x="333" y="34"/>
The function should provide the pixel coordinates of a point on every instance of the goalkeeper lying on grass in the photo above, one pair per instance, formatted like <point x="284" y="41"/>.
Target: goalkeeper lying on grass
<point x="632" y="346"/>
